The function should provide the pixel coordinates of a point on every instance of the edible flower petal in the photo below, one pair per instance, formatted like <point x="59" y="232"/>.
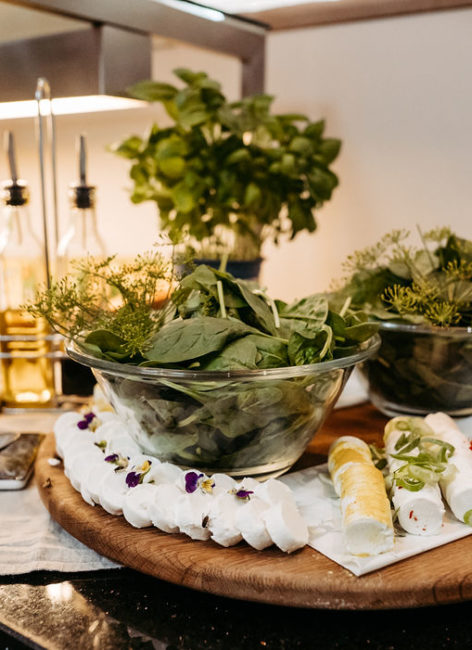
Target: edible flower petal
<point x="207" y="485"/>
<point x="133" y="479"/>
<point x="191" y="481"/>
<point x="89" y="421"/>
<point x="242" y="494"/>
<point x="121" y="462"/>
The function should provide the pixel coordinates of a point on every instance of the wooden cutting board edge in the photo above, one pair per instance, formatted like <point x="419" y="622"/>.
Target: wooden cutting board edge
<point x="304" y="579"/>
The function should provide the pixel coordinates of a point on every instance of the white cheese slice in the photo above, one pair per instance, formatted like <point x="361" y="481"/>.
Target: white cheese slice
<point x="65" y="427"/>
<point x="112" y="491"/>
<point x="273" y="492"/>
<point x="79" y="447"/>
<point x="162" y="509"/>
<point x="223" y="484"/>
<point x="137" y="505"/>
<point x="191" y="515"/>
<point x="249" y="483"/>
<point x="250" y="522"/>
<point x="79" y="466"/>
<point x="167" y="473"/>
<point x="222" y="519"/>
<point x="286" y="526"/>
<point x="94" y="476"/>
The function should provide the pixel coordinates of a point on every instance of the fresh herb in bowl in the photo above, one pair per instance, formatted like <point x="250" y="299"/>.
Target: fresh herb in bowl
<point x="220" y="376"/>
<point x="422" y="297"/>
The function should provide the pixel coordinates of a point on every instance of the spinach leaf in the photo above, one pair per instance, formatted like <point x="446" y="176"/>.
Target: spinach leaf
<point x="309" y="347"/>
<point x="250" y="352"/>
<point x="184" y="340"/>
<point x="111" y="346"/>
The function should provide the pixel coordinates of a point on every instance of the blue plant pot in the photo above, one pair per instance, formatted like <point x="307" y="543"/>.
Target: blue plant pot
<point x="241" y="269"/>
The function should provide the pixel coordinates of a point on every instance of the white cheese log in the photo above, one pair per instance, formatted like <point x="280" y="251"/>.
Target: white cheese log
<point x="456" y="486"/>
<point x="420" y="512"/>
<point x="345" y="451"/>
<point x="366" y="516"/>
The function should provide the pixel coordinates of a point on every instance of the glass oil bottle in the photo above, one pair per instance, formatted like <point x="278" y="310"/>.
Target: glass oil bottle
<point x="81" y="241"/>
<point x="25" y="341"/>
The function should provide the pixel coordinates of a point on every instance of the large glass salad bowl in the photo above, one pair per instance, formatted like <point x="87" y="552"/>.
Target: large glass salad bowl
<point x="243" y="423"/>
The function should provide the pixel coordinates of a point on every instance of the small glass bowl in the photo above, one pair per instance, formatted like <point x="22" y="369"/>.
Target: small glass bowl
<point x="420" y="369"/>
<point x="243" y="423"/>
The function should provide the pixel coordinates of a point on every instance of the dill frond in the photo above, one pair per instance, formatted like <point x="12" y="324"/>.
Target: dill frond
<point x="432" y="282"/>
<point x="127" y="299"/>
<point x="371" y="256"/>
<point x="402" y="299"/>
<point x="443" y="313"/>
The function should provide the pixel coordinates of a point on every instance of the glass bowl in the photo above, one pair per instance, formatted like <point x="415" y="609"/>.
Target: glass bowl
<point x="420" y="369"/>
<point x="242" y="423"/>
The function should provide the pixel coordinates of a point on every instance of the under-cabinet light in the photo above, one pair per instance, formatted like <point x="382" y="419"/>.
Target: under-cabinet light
<point x="249" y="6"/>
<point x="196" y="10"/>
<point x="68" y="106"/>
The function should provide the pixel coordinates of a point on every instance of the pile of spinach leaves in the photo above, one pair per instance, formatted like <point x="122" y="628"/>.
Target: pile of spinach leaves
<point x="221" y="323"/>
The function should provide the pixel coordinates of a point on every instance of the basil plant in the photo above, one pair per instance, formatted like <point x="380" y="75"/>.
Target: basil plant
<point x="229" y="174"/>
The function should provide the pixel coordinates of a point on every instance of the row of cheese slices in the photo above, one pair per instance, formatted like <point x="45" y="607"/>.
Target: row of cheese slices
<point x="105" y="465"/>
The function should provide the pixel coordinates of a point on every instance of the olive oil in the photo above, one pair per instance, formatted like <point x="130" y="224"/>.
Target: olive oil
<point x="27" y="371"/>
<point x="25" y="342"/>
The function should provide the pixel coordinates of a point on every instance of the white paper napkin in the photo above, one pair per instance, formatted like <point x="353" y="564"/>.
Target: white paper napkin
<point x="320" y="507"/>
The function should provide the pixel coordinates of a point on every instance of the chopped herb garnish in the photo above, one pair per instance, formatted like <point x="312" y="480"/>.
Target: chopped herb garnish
<point x="426" y="458"/>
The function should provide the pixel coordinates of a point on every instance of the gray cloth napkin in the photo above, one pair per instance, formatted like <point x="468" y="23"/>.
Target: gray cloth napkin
<point x="30" y="540"/>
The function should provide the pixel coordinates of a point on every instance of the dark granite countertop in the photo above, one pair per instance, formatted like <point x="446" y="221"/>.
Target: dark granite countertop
<point x="118" y="609"/>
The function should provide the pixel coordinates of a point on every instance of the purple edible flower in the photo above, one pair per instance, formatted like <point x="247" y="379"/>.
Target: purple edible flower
<point x="243" y="494"/>
<point x="111" y="458"/>
<point x="191" y="481"/>
<point x="133" y="479"/>
<point x="87" y="420"/>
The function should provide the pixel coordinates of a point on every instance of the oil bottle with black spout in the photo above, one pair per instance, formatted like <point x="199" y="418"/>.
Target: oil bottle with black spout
<point x="25" y="341"/>
<point x="81" y="240"/>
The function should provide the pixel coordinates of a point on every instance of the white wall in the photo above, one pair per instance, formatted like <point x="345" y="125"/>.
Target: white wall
<point x="398" y="92"/>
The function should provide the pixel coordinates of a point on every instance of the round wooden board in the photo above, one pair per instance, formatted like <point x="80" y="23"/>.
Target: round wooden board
<point x="304" y="579"/>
